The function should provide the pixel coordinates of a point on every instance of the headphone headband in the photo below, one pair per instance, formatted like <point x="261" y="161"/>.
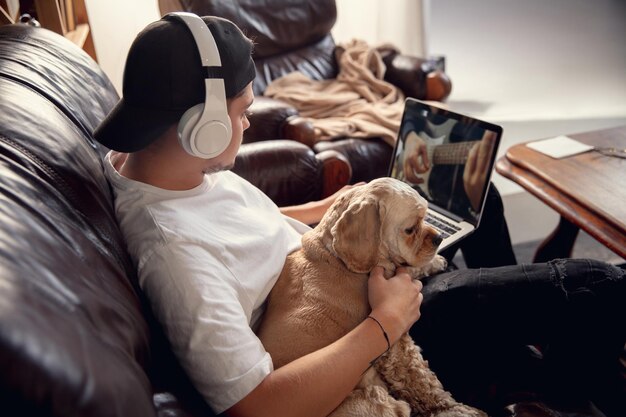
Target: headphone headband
<point x="205" y="130"/>
<point x="209" y="54"/>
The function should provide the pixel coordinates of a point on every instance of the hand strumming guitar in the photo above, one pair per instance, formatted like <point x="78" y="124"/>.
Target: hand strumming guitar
<point x="476" y="168"/>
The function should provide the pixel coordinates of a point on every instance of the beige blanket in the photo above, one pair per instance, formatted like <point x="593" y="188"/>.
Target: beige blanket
<point x="358" y="103"/>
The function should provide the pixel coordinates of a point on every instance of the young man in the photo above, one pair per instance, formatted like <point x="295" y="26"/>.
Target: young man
<point x="208" y="246"/>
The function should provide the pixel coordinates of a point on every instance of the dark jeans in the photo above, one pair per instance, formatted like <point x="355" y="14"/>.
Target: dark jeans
<point x="477" y="324"/>
<point x="556" y="328"/>
<point x="490" y="244"/>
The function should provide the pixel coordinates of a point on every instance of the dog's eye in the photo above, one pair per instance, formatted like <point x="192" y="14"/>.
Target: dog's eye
<point x="410" y="230"/>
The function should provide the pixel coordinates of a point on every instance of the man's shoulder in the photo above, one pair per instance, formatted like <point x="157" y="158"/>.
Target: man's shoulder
<point x="229" y="177"/>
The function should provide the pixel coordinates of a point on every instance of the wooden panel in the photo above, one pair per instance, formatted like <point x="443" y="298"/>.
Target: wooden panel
<point x="68" y="8"/>
<point x="80" y="11"/>
<point x="5" y="19"/>
<point x="49" y="15"/>
<point x="81" y="18"/>
<point x="68" y="18"/>
<point x="78" y="35"/>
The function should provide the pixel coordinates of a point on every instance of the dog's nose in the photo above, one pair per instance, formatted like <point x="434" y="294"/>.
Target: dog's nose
<point x="436" y="239"/>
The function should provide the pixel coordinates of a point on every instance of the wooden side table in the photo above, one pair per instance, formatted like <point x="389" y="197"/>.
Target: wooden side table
<point x="588" y="190"/>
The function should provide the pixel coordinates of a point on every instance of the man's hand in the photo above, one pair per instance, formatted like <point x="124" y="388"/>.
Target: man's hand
<point x="395" y="302"/>
<point x="476" y="168"/>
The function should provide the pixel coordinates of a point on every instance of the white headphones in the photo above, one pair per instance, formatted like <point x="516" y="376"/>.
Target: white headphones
<point x="205" y="129"/>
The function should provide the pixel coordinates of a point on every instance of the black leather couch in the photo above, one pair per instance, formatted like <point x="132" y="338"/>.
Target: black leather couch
<point x="76" y="337"/>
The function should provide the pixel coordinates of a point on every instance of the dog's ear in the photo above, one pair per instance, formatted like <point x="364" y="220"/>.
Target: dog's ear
<point x="356" y="235"/>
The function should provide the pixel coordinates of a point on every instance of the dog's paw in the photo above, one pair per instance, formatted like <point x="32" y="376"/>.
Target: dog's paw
<point x="439" y="263"/>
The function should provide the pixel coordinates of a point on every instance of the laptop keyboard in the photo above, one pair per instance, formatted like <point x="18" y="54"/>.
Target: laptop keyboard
<point x="444" y="227"/>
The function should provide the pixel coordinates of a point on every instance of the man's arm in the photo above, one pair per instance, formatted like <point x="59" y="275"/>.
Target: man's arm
<point x="312" y="212"/>
<point x="314" y="385"/>
<point x="307" y="213"/>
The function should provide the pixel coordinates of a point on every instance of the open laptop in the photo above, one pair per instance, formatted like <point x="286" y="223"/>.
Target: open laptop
<point x="450" y="147"/>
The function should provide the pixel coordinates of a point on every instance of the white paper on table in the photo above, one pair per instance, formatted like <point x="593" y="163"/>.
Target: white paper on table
<point x="559" y="147"/>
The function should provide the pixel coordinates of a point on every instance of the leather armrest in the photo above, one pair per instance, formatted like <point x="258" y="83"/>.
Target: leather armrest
<point x="275" y="119"/>
<point x="421" y="78"/>
<point x="291" y="173"/>
<point x="337" y="171"/>
<point x="299" y="129"/>
<point x="267" y="118"/>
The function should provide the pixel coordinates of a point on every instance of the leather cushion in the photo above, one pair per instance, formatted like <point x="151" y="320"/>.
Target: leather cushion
<point x="289" y="35"/>
<point x="59" y="70"/>
<point x="275" y="26"/>
<point x="73" y="339"/>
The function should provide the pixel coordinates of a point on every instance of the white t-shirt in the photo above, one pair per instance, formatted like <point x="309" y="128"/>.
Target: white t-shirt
<point x="207" y="258"/>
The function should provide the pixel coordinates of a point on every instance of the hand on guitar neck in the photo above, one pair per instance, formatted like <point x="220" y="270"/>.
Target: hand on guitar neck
<point x="419" y="157"/>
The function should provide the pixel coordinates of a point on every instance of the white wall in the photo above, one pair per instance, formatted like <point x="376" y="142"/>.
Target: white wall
<point x="400" y="22"/>
<point x="534" y="59"/>
<point x="114" y="25"/>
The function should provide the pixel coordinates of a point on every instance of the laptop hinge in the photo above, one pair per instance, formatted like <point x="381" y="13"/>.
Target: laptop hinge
<point x="449" y="214"/>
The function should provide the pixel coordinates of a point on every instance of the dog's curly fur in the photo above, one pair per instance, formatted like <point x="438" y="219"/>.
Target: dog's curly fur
<point x="321" y="295"/>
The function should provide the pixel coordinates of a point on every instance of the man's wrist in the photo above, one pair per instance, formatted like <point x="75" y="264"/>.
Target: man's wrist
<point x="382" y="329"/>
<point x="390" y="323"/>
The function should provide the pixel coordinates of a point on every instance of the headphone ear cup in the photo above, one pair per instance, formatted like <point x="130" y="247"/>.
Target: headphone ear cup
<point x="211" y="137"/>
<point x="186" y="124"/>
<point x="204" y="135"/>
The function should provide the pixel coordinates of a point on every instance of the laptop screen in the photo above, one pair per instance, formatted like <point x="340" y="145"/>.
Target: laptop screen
<point x="447" y="157"/>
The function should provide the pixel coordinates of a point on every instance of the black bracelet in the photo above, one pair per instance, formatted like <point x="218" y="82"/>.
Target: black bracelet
<point x="384" y="334"/>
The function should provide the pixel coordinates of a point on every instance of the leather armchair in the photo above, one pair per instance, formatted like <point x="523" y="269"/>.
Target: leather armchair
<point x="295" y="35"/>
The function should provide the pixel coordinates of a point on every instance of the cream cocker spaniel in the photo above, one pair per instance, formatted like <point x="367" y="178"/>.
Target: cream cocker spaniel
<point x="321" y="295"/>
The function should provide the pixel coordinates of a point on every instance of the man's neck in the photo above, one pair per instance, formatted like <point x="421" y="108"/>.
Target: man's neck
<point x="159" y="171"/>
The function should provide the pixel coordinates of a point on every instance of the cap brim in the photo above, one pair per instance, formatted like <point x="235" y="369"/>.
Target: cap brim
<point x="130" y="129"/>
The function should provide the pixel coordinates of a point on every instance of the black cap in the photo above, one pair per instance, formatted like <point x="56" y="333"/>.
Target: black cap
<point x="164" y="77"/>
